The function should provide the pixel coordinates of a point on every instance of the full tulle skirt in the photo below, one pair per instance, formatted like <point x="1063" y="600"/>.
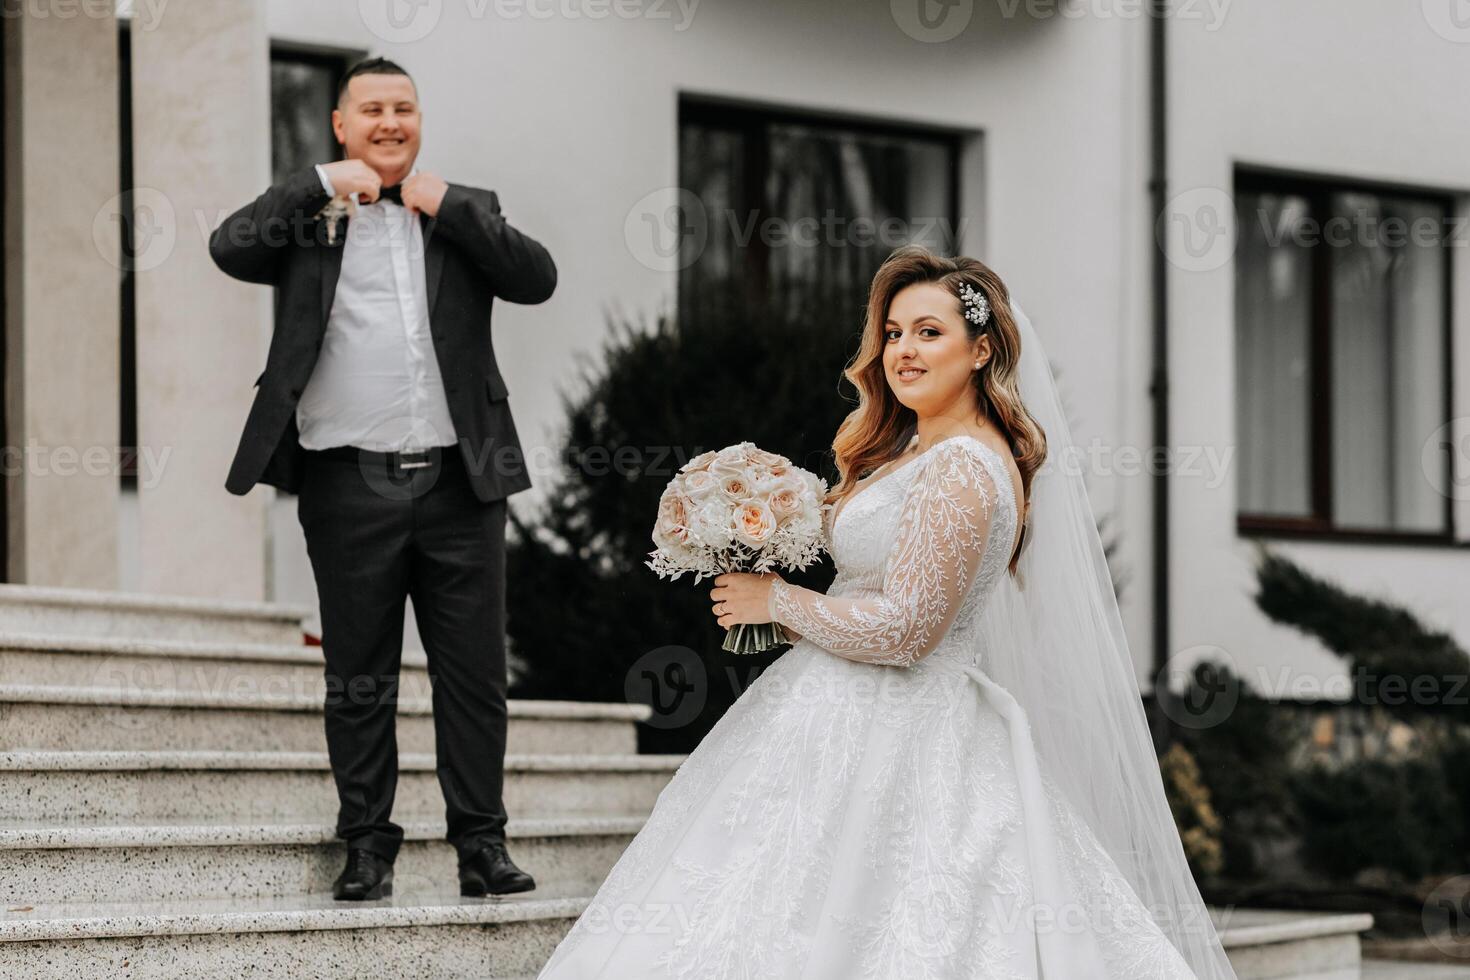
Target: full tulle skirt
<point x="845" y="820"/>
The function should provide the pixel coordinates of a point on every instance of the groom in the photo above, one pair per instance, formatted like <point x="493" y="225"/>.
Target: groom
<point x="382" y="407"/>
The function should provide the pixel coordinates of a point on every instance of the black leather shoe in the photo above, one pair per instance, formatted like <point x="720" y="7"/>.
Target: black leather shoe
<point x="367" y="877"/>
<point x="491" y="871"/>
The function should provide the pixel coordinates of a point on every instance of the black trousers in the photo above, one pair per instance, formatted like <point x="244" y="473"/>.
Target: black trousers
<point x="378" y="534"/>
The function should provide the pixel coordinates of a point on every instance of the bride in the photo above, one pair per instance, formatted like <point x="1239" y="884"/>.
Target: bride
<point x="949" y="775"/>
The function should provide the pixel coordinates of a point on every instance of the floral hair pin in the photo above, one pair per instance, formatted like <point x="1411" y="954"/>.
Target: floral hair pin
<point x="977" y="307"/>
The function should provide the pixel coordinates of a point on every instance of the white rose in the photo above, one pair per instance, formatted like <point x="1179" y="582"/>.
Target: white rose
<point x="731" y="455"/>
<point x="699" y="484"/>
<point x="711" y="524"/>
<point x="722" y="468"/>
<point x="699" y="462"/>
<point x="764" y="483"/>
<point x="766" y="460"/>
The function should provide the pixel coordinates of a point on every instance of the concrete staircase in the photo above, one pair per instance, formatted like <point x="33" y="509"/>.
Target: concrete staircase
<point x="166" y="805"/>
<point x="166" y="810"/>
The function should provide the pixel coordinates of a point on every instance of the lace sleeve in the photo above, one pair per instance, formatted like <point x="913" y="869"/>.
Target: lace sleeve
<point x="941" y="539"/>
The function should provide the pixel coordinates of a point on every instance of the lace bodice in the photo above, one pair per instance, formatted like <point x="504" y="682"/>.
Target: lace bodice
<point x="917" y="551"/>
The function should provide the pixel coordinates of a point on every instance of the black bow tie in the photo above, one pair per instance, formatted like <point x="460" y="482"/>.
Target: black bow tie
<point x="394" y="194"/>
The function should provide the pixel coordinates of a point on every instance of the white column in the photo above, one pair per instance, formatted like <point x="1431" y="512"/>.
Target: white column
<point x="61" y="295"/>
<point x="201" y="148"/>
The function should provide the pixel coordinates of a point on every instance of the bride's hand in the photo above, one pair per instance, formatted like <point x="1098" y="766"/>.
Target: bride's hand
<point x="742" y="597"/>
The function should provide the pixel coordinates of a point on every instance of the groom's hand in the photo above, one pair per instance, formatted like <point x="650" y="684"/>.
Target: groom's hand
<point x="424" y="192"/>
<point x="352" y="176"/>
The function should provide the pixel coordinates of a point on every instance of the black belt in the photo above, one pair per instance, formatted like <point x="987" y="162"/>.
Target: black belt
<point x="411" y="460"/>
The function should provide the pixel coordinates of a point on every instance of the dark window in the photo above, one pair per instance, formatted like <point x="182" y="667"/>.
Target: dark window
<point x="803" y="202"/>
<point x="127" y="306"/>
<point x="4" y="483"/>
<point x="303" y="95"/>
<point x="1342" y="357"/>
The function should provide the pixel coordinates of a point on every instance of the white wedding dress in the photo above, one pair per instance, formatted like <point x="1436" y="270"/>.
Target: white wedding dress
<point x="861" y="812"/>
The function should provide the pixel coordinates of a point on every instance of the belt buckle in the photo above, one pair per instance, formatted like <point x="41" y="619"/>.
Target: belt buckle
<point x="420" y="460"/>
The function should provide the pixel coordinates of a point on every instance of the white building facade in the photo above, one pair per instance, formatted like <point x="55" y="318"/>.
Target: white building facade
<point x="1300" y="397"/>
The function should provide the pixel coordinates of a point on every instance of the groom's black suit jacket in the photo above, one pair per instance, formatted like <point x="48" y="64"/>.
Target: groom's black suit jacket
<point x="471" y="256"/>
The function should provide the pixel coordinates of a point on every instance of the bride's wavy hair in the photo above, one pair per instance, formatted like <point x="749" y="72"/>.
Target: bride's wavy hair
<point x="879" y="428"/>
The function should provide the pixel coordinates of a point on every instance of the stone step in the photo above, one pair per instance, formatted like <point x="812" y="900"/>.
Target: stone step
<point x="433" y="936"/>
<point x="427" y="934"/>
<point x="1401" y="970"/>
<point x="192" y="666"/>
<point x="58" y="863"/>
<point x="86" y="718"/>
<point x="136" y="787"/>
<point x="1265" y="944"/>
<point x="85" y="612"/>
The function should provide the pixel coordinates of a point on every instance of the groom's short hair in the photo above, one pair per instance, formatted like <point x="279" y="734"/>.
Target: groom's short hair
<point x="370" y="66"/>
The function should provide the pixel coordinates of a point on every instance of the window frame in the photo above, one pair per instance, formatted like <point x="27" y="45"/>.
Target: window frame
<point x="336" y="59"/>
<point x="751" y="119"/>
<point x="1318" y="190"/>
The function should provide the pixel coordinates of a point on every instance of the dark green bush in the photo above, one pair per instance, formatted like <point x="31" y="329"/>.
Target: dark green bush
<point x="1396" y="661"/>
<point x="586" y="616"/>
<point x="1399" y="815"/>
<point x="1244" y="761"/>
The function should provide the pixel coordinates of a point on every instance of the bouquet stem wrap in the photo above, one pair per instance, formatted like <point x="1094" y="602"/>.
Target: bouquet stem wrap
<point x="752" y="638"/>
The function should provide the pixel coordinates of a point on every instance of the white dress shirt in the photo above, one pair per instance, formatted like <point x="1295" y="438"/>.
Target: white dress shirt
<point x="376" y="384"/>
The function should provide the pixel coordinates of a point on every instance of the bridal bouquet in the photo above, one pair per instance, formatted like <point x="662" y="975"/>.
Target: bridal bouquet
<point x="740" y="509"/>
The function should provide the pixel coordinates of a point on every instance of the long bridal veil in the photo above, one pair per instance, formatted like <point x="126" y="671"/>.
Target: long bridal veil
<point x="1054" y="646"/>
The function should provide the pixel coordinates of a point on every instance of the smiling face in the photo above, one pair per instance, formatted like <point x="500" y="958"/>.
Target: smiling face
<point x="378" y="122"/>
<point x="928" y="356"/>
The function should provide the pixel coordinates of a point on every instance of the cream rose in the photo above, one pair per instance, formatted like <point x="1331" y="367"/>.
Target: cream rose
<point x="672" y="526"/>
<point x="731" y="456"/>
<point x="754" y="523"/>
<point x="767" y="460"/>
<point x="736" y="486"/>
<point x="786" y="503"/>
